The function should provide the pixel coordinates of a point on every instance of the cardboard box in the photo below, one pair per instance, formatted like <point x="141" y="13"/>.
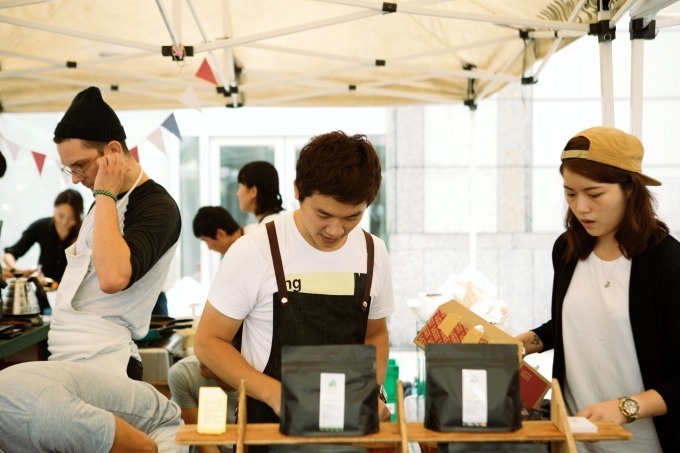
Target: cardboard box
<point x="454" y="323"/>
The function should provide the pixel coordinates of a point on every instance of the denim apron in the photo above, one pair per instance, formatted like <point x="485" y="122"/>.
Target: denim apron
<point x="79" y="336"/>
<point x="311" y="319"/>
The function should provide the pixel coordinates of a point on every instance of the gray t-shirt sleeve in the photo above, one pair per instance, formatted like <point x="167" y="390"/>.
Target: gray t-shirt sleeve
<point x="185" y="380"/>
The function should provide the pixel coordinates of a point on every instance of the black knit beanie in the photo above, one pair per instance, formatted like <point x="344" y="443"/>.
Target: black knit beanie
<point x="90" y="118"/>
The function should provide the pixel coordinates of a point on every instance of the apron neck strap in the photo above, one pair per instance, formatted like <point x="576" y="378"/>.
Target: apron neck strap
<point x="276" y="258"/>
<point x="370" y="252"/>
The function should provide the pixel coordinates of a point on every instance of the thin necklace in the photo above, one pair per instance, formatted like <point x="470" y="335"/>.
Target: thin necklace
<point x="611" y="271"/>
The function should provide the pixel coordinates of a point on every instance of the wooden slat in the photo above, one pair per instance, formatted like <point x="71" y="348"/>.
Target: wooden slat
<point x="558" y="416"/>
<point x="242" y="418"/>
<point x="401" y="432"/>
<point x="531" y="431"/>
<point x="401" y="417"/>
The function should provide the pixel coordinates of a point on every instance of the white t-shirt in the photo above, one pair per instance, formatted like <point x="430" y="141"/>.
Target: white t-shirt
<point x="245" y="282"/>
<point x="266" y="219"/>
<point x="599" y="350"/>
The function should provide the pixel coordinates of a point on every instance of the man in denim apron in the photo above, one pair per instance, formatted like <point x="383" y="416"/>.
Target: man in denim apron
<point x="309" y="278"/>
<point x="118" y="264"/>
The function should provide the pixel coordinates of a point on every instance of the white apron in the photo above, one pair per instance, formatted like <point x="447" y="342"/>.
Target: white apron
<point x="79" y="336"/>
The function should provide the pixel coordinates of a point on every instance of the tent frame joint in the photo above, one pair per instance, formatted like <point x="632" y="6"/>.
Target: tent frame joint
<point x="389" y="7"/>
<point x="471" y="104"/>
<point x="167" y="51"/>
<point x="602" y="31"/>
<point x="638" y="30"/>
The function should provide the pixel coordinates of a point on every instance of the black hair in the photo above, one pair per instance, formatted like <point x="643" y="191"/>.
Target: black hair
<point x="264" y="176"/>
<point x="209" y="219"/>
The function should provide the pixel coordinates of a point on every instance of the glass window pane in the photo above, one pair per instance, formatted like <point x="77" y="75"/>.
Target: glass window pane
<point x="189" y="204"/>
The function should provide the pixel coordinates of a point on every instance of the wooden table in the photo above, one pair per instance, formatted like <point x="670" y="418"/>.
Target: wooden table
<point x="555" y="431"/>
<point x="30" y="345"/>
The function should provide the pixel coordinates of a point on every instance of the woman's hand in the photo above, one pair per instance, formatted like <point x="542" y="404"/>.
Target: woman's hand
<point x="606" y="411"/>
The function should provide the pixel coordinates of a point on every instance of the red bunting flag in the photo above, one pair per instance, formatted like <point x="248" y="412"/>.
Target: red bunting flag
<point x="205" y="72"/>
<point x="39" y="160"/>
<point x="135" y="153"/>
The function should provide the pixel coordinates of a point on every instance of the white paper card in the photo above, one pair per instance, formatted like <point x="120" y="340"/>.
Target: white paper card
<point x="212" y="411"/>
<point x="581" y="425"/>
<point x="475" y="400"/>
<point x="332" y="402"/>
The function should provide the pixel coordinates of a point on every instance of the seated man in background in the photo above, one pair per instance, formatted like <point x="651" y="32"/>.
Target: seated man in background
<point x="67" y="406"/>
<point x="215" y="226"/>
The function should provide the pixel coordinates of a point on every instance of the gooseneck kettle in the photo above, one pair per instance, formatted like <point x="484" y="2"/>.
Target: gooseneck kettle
<point x="24" y="296"/>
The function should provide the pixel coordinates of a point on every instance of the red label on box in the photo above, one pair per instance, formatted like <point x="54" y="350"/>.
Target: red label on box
<point x="532" y="386"/>
<point x="431" y="333"/>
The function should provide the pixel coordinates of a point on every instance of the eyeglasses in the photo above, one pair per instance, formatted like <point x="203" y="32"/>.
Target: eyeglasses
<point x="79" y="170"/>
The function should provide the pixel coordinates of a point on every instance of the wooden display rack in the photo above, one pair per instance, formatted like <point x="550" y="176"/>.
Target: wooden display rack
<point x="400" y="433"/>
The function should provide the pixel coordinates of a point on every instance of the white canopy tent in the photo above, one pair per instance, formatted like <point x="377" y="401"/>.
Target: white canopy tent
<point x="301" y="52"/>
<point x="147" y="54"/>
<point x="286" y="52"/>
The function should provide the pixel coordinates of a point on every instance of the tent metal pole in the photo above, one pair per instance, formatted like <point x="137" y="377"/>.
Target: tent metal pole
<point x="303" y="78"/>
<point x="12" y="4"/>
<point x="604" y="38"/>
<point x="496" y="20"/>
<point x="641" y="29"/>
<point x="636" y="77"/>
<point x="79" y="34"/>
<point x="472" y="174"/>
<point x="412" y="8"/>
<point x="453" y="49"/>
<point x="231" y="42"/>
<point x="490" y="85"/>
<point x="620" y="12"/>
<point x="666" y="23"/>
<point x="572" y="17"/>
<point x="199" y="25"/>
<point x="607" y="84"/>
<point x="228" y="54"/>
<point x="164" y="16"/>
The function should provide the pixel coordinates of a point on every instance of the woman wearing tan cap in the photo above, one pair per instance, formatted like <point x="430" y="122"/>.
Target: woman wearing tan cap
<point x="616" y="296"/>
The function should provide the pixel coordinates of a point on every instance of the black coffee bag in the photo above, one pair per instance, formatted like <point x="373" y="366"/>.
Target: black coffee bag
<point x="472" y="387"/>
<point x="329" y="390"/>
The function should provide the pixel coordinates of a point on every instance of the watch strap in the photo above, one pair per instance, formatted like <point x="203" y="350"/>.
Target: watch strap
<point x="629" y="408"/>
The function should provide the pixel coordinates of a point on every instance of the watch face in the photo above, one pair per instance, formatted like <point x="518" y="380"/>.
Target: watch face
<point x="630" y="407"/>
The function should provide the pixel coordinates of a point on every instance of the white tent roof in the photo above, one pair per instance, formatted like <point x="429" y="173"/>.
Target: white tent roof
<point x="280" y="52"/>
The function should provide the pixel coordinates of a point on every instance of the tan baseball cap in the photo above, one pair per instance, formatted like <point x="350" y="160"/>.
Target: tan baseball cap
<point x="611" y="146"/>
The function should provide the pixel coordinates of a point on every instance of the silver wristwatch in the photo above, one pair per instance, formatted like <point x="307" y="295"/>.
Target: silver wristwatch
<point x="629" y="408"/>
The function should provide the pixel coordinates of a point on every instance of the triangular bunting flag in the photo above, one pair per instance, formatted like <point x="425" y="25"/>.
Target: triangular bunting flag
<point x="156" y="138"/>
<point x="189" y="99"/>
<point x="205" y="72"/>
<point x="39" y="160"/>
<point x="171" y="125"/>
<point x="13" y="149"/>
<point x="135" y="153"/>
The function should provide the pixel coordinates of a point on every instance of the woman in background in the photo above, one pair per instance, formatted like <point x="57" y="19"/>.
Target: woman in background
<point x="258" y="193"/>
<point x="54" y="235"/>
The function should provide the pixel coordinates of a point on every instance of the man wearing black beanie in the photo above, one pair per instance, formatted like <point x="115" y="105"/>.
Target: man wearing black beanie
<point x="118" y="264"/>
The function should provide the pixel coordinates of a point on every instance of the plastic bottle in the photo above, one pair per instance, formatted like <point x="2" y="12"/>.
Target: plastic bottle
<point x="391" y="386"/>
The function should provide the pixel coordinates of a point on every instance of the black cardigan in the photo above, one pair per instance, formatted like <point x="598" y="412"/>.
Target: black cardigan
<point x="654" y="308"/>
